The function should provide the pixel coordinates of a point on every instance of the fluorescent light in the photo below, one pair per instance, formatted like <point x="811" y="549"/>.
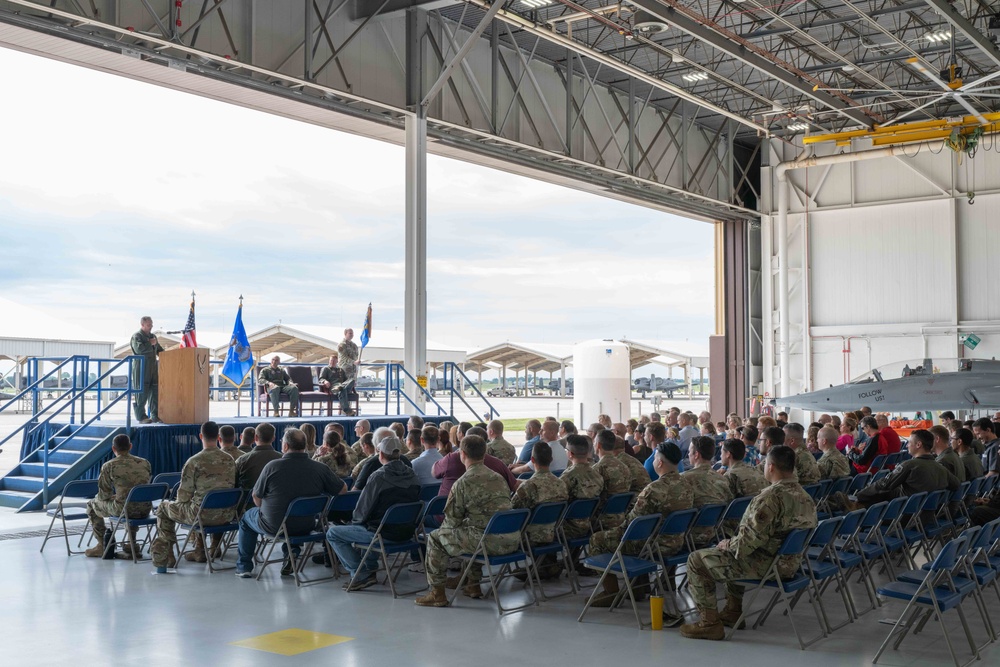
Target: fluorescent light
<point x="797" y="127"/>
<point x="694" y="77"/>
<point x="939" y="36"/>
<point x="536" y="4"/>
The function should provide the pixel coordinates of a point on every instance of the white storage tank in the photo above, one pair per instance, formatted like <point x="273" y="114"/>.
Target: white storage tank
<point x="601" y="382"/>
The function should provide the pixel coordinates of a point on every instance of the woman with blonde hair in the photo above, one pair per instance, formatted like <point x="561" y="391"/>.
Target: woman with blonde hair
<point x="309" y="431"/>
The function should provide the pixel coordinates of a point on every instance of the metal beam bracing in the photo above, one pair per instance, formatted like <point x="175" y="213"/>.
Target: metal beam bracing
<point x="470" y="43"/>
<point x="985" y="45"/>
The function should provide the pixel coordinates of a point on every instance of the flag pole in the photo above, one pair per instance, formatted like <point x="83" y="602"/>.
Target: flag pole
<point x="239" y="390"/>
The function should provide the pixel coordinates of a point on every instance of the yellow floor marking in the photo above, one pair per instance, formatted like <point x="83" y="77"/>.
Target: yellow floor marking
<point x="291" y="642"/>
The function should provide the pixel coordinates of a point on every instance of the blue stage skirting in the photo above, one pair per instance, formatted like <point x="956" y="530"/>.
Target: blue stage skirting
<point x="168" y="446"/>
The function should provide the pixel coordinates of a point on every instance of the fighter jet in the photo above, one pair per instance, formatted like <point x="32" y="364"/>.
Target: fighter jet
<point x="653" y="383"/>
<point x="950" y="384"/>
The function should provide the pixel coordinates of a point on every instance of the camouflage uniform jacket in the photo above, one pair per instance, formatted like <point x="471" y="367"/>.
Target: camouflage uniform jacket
<point x="476" y="496"/>
<point x="617" y="478"/>
<point x="667" y="494"/>
<point x="709" y="488"/>
<point x="330" y="461"/>
<point x="639" y="476"/>
<point x="582" y="482"/>
<point x="207" y="470"/>
<point x="805" y="466"/>
<point x="501" y="449"/>
<point x="833" y="465"/>
<point x="542" y="487"/>
<point x="117" y="478"/>
<point x="745" y="480"/>
<point x="347" y="358"/>
<point x="772" y="514"/>
<point x="142" y="346"/>
<point x="279" y="376"/>
<point x="232" y="451"/>
<point x="410" y="456"/>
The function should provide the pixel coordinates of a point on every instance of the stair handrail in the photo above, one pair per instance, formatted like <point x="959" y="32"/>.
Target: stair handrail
<point x="400" y="393"/>
<point x="453" y="367"/>
<point x="97" y="415"/>
<point x="33" y="387"/>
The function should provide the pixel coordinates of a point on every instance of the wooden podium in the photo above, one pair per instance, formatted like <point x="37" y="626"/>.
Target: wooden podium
<point x="183" y="394"/>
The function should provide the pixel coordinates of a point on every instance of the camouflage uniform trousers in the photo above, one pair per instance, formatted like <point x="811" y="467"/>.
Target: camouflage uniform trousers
<point x="98" y="510"/>
<point x="445" y="542"/>
<point x="706" y="567"/>
<point x="607" y="541"/>
<point x="169" y="514"/>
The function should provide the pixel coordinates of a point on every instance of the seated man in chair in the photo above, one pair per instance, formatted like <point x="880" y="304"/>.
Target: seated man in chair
<point x="117" y="478"/>
<point x="276" y="382"/>
<point x="773" y="513"/>
<point x="333" y="380"/>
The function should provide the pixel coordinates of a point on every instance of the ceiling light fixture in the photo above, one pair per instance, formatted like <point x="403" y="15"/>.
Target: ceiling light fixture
<point x="939" y="36"/>
<point x="797" y="127"/>
<point x="694" y="77"/>
<point x="536" y="4"/>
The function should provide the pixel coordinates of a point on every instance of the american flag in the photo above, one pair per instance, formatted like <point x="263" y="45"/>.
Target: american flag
<point x="189" y="339"/>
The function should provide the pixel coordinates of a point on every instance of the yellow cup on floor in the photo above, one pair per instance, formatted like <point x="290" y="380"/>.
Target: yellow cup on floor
<point x="656" y="611"/>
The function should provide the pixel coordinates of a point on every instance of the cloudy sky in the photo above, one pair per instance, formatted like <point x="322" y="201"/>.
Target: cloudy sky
<point x="118" y="198"/>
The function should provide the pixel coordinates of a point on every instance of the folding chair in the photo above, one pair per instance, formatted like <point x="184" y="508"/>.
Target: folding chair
<point x="579" y="510"/>
<point x="847" y="561"/>
<point x="813" y="490"/>
<point x="506" y="522"/>
<point x="341" y="509"/>
<point x="932" y="527"/>
<point x="822" y="569"/>
<point x="858" y="482"/>
<point x="171" y="479"/>
<point x="546" y="514"/>
<point x="616" y="504"/>
<point x="867" y="541"/>
<point x="958" y="513"/>
<point x="709" y="516"/>
<point x="936" y="593"/>
<point x="877" y="463"/>
<point x="403" y="515"/>
<point x="839" y="485"/>
<point x="83" y="490"/>
<point x="143" y="493"/>
<point x="733" y="514"/>
<point x="314" y="507"/>
<point x="216" y="499"/>
<point x="348" y="482"/>
<point x="641" y="529"/>
<point x="675" y="524"/>
<point x="890" y="530"/>
<point x="784" y="590"/>
<point x="878" y="477"/>
<point x="429" y="492"/>
<point x="979" y="561"/>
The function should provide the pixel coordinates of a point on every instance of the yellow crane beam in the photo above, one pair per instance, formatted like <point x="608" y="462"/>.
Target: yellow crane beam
<point x="884" y="135"/>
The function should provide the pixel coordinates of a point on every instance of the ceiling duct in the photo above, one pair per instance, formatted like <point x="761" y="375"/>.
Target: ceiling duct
<point x="646" y="24"/>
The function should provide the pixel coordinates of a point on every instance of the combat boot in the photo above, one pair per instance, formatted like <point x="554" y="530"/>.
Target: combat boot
<point x="709" y="627"/>
<point x="472" y="591"/>
<point x="732" y="612"/>
<point x="608" y="595"/>
<point x="96" y="551"/>
<point x="216" y="546"/>
<point x="435" y="598"/>
<point x="198" y="555"/>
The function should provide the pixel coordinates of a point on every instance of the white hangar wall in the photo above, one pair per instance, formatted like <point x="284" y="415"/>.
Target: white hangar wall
<point x="886" y="261"/>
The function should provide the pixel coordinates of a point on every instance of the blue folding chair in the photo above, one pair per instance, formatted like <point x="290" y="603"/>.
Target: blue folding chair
<point x="641" y="529"/>
<point x="507" y="522"/>
<point x="545" y="515"/>
<point x="676" y="525"/>
<point x="859" y="482"/>
<point x="143" y="493"/>
<point x="616" y="504"/>
<point x="878" y="477"/>
<point x="429" y="492"/>
<point x="867" y="542"/>
<point x="77" y="493"/>
<point x="314" y="507"/>
<point x="731" y="517"/>
<point x="878" y="463"/>
<point x="783" y="589"/>
<point x="348" y="482"/>
<point x="216" y="499"/>
<point x="709" y="517"/>
<point x="813" y="490"/>
<point x="580" y="510"/>
<point x="823" y="570"/>
<point x="840" y="485"/>
<point x="936" y="592"/>
<point x="402" y="517"/>
<point x="171" y="479"/>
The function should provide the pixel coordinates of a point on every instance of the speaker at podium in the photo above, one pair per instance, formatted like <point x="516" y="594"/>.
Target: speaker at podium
<point x="183" y="386"/>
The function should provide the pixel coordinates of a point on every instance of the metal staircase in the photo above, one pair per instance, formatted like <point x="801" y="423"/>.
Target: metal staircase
<point x="72" y="450"/>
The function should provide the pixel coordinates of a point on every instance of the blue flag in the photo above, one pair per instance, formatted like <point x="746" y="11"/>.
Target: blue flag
<point x="366" y="331"/>
<point x="239" y="359"/>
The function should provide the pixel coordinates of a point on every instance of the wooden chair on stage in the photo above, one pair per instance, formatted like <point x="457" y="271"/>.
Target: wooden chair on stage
<point x="302" y="378"/>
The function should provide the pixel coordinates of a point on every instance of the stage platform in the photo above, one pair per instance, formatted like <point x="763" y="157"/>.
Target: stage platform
<point x="168" y="446"/>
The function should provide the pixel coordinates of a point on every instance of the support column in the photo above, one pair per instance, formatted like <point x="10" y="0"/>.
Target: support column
<point x="415" y="253"/>
<point x="562" y="379"/>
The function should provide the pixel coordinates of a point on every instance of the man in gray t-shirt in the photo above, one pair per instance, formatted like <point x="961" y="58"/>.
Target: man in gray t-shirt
<point x="283" y="480"/>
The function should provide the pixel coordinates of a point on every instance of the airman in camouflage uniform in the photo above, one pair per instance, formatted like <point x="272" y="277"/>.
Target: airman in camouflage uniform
<point x="669" y="493"/>
<point x="616" y="479"/>
<point x="833" y="464"/>
<point x="276" y="382"/>
<point x="501" y="449"/>
<point x="145" y="345"/>
<point x="117" y="478"/>
<point x="348" y="355"/>
<point x="708" y="486"/>
<point x="773" y="513"/>
<point x="805" y="462"/>
<point x="330" y="461"/>
<point x="476" y="496"/>
<point x="207" y="470"/>
<point x="582" y="482"/>
<point x="637" y="471"/>
<point x="541" y="487"/>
